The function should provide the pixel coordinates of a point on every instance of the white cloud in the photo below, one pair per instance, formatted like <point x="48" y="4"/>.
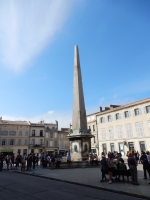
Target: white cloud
<point x="50" y="112"/>
<point x="26" y="27"/>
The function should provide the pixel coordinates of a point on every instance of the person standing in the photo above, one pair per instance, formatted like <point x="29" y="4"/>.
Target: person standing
<point x="8" y="161"/>
<point x="110" y="167"/>
<point x="23" y="162"/>
<point x="103" y="164"/>
<point x="34" y="160"/>
<point x="133" y="168"/>
<point x="145" y="163"/>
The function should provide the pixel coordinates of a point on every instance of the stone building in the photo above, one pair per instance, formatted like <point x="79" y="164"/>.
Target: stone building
<point x="14" y="136"/>
<point x="51" y="137"/>
<point x="121" y="128"/>
<point x="37" y="137"/>
<point x="64" y="143"/>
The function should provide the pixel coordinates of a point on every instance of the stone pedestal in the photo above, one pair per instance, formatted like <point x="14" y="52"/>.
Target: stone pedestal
<point x="80" y="146"/>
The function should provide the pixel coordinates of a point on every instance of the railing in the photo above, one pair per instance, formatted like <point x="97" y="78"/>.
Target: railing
<point x="37" y="145"/>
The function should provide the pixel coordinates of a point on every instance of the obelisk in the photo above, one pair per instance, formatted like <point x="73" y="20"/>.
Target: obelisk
<point x="79" y="135"/>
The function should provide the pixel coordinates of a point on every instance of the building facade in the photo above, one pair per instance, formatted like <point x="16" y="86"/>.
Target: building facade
<point x="51" y="138"/>
<point x="14" y="136"/>
<point x="37" y="137"/>
<point x="64" y="143"/>
<point x="122" y="128"/>
<point x="26" y="137"/>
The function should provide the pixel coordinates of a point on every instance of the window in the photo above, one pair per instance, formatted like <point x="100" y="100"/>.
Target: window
<point x="104" y="147"/>
<point x="33" y="141"/>
<point x="129" y="130"/>
<point x="46" y="135"/>
<point x="26" y="141"/>
<point x="12" y="132"/>
<point x="89" y="127"/>
<point x="117" y="116"/>
<point x="139" y="129"/>
<point x="102" y="120"/>
<point x="109" y="118"/>
<point x="137" y="111"/>
<point x="4" y="133"/>
<point x="20" y="133"/>
<point x="142" y="146"/>
<point x="119" y="132"/>
<point x="112" y="148"/>
<point x="26" y="134"/>
<point x="61" y="135"/>
<point x="3" y="142"/>
<point x="33" y="132"/>
<point x="19" y="141"/>
<point x="55" y="143"/>
<point x="147" y="109"/>
<point x="103" y="133"/>
<point x="24" y="151"/>
<point x="93" y="127"/>
<point x="41" y="141"/>
<point x="131" y="146"/>
<point x="46" y="143"/>
<point x="55" y="134"/>
<point x="51" y="135"/>
<point x="51" y="143"/>
<point x="126" y="114"/>
<point x="12" y="142"/>
<point x="111" y="135"/>
<point x="41" y="133"/>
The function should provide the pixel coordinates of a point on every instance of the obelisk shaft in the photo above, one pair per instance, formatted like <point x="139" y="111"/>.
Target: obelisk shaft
<point x="79" y="114"/>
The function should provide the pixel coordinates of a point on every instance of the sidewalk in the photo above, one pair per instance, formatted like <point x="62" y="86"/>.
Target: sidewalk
<point x="91" y="177"/>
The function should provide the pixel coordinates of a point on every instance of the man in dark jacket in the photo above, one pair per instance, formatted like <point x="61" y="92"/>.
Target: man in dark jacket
<point x="145" y="163"/>
<point x="133" y="168"/>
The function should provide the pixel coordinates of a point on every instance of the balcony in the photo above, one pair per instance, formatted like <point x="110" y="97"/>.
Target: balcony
<point x="37" y="145"/>
<point x="33" y="135"/>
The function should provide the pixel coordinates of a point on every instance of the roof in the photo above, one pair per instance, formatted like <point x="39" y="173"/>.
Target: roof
<point x="121" y="107"/>
<point x="15" y="122"/>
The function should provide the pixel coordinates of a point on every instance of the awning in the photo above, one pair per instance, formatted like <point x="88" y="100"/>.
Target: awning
<point x="6" y="150"/>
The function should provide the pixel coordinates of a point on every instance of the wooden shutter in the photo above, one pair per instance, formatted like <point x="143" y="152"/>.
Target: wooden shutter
<point x="140" y="111"/>
<point x="129" y="113"/>
<point x="133" y="112"/>
<point x="119" y="115"/>
<point x="144" y="109"/>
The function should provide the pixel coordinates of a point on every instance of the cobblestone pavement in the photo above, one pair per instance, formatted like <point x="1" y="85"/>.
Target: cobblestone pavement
<point x="91" y="177"/>
<point x="16" y="186"/>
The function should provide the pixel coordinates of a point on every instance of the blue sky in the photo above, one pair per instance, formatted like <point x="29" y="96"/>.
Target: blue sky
<point x="37" y="41"/>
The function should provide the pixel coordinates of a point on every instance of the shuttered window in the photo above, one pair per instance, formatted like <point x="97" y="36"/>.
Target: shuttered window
<point x="129" y="130"/>
<point x="139" y="129"/>
<point x="103" y="133"/>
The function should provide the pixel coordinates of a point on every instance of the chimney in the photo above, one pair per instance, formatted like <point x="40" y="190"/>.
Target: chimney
<point x="107" y="108"/>
<point x="101" y="109"/>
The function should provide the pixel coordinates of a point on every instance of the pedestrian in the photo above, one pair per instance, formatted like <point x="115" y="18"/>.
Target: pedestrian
<point x="145" y="163"/>
<point x="133" y="168"/>
<point x="1" y="162"/>
<point x="23" y="162"/>
<point x="7" y="161"/>
<point x="103" y="166"/>
<point x="52" y="161"/>
<point x="58" y="161"/>
<point x="29" y="162"/>
<point x="34" y="161"/>
<point x="110" y="167"/>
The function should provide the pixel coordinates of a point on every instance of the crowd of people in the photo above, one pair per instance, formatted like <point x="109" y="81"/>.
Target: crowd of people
<point x="28" y="162"/>
<point x="114" y="165"/>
